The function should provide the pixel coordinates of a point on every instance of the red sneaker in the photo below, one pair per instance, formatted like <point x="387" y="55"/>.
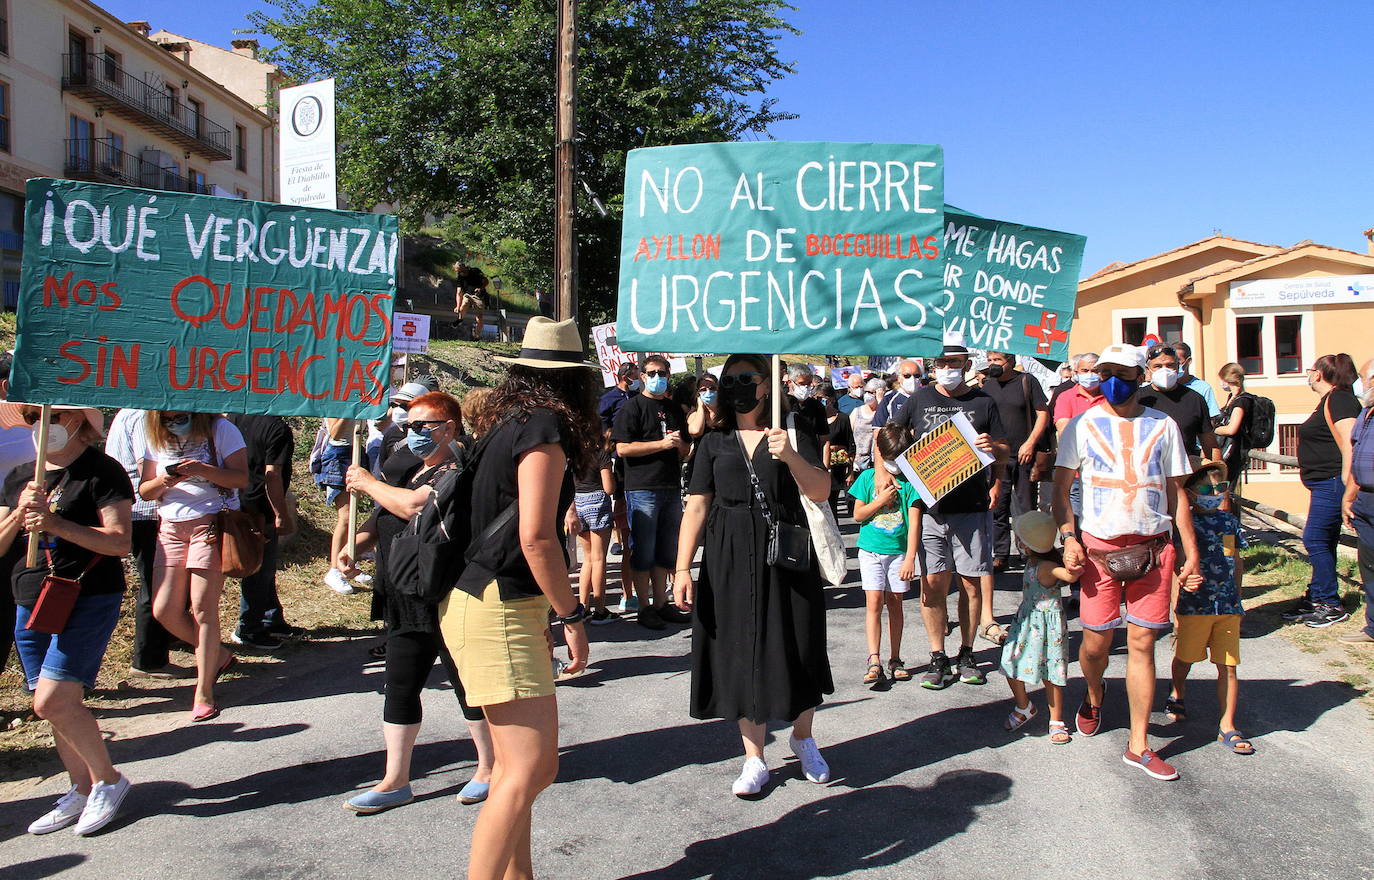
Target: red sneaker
<point x="1152" y="764"/>
<point x="1089" y="718"/>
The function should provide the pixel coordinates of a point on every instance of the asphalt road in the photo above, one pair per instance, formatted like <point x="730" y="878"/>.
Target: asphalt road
<point x="926" y="784"/>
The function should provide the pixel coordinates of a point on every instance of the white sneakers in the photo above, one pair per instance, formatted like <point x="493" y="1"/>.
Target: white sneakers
<point x="363" y="578"/>
<point x="751" y="779"/>
<point x="813" y="765"/>
<point x="88" y="813"/>
<point x="65" y="812"/>
<point x="336" y="581"/>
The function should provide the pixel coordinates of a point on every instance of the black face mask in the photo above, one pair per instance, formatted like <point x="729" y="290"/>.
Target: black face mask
<point x="994" y="371"/>
<point x="740" y="398"/>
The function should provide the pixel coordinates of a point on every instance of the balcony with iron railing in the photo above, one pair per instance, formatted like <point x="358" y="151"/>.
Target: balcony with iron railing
<point x="100" y="160"/>
<point x="110" y="87"/>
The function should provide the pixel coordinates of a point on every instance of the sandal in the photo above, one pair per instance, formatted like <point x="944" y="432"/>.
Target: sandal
<point x="1059" y="733"/>
<point x="1236" y="742"/>
<point x="995" y="633"/>
<point x="225" y="666"/>
<point x="1174" y="709"/>
<point x="1019" y="717"/>
<point x="897" y="669"/>
<point x="874" y="673"/>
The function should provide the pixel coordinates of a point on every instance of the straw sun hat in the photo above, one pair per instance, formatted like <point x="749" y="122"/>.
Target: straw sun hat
<point x="551" y="345"/>
<point x="1037" y="531"/>
<point x="12" y="414"/>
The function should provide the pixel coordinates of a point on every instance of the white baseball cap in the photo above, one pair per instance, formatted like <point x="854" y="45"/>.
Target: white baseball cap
<point x="1123" y="356"/>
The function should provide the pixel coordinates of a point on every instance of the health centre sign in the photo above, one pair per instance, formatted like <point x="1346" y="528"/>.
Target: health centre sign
<point x="160" y="300"/>
<point x="1268" y="293"/>
<point x="782" y="247"/>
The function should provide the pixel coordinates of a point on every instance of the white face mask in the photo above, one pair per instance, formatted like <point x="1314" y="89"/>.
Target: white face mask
<point x="949" y="378"/>
<point x="1164" y="378"/>
<point x="908" y="384"/>
<point x="870" y="397"/>
<point x="892" y="468"/>
<point x="57" y="438"/>
<point x="802" y="392"/>
<point x="1089" y="380"/>
<point x="399" y="416"/>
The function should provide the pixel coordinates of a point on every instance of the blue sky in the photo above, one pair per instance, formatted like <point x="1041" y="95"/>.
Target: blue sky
<point x="1141" y="126"/>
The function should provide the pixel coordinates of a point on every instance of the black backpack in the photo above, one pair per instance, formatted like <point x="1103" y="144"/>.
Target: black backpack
<point x="1259" y="425"/>
<point x="426" y="560"/>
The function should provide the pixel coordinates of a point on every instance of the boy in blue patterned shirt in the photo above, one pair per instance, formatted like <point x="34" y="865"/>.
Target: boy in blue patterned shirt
<point x="1208" y="609"/>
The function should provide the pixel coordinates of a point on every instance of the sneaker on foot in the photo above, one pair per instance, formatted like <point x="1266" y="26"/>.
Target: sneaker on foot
<point x="286" y="631"/>
<point x="649" y="619"/>
<point x="1300" y="609"/>
<point x="940" y="676"/>
<point x="814" y="767"/>
<point x="751" y="779"/>
<point x="1324" y="614"/>
<point x="65" y="812"/>
<point x="1358" y="637"/>
<point x="969" y="673"/>
<point x="1152" y="764"/>
<point x="260" y="641"/>
<point x="362" y="578"/>
<point x="102" y="805"/>
<point x="336" y="581"/>
<point x="1089" y="718"/>
<point x="614" y="549"/>
<point x="673" y="614"/>
<point x="600" y="617"/>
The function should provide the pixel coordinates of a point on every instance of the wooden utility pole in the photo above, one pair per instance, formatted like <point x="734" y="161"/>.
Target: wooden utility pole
<point x="565" y="162"/>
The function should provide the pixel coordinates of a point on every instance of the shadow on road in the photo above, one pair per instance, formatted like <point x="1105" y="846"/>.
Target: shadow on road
<point x="879" y="832"/>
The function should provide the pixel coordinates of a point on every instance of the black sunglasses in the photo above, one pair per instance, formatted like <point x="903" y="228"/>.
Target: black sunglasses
<point x="32" y="416"/>
<point x="175" y="419"/>
<point x="741" y="379"/>
<point x="658" y="372"/>
<point x="1155" y="351"/>
<point x="425" y="424"/>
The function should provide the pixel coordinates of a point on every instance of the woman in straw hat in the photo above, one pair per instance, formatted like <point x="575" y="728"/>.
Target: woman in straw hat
<point x="496" y="621"/>
<point x="81" y="513"/>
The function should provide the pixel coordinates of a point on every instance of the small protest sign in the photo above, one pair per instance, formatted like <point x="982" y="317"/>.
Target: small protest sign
<point x="783" y="247"/>
<point x="610" y="356"/>
<point x="410" y="333"/>
<point x="1008" y="287"/>
<point x="943" y="458"/>
<point x="160" y="300"/>
<point x="839" y="376"/>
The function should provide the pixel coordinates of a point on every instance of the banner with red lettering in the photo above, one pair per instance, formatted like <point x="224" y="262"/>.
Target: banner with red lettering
<point x="160" y="300"/>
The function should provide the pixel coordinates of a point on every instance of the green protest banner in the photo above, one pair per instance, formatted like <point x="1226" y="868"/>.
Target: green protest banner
<point x="159" y="300"/>
<point x="1008" y="287"/>
<point x="782" y="247"/>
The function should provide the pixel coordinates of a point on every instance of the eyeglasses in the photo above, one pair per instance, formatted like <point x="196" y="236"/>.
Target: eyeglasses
<point x="741" y="379"/>
<point x="32" y="416"/>
<point x="1213" y="488"/>
<point x="658" y="372"/>
<point x="403" y="404"/>
<point x="175" y="418"/>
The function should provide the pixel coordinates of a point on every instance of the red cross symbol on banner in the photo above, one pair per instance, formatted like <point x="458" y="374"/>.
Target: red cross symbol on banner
<point x="1045" y="332"/>
<point x="408" y="328"/>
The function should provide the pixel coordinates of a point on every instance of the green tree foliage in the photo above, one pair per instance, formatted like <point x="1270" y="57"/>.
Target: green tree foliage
<point x="446" y="107"/>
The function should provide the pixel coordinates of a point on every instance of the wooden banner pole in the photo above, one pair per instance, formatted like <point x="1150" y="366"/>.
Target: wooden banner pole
<point x="775" y="400"/>
<point x="353" y="496"/>
<point x="40" y="476"/>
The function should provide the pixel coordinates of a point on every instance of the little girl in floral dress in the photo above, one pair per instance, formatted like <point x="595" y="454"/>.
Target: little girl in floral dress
<point x="1034" y="650"/>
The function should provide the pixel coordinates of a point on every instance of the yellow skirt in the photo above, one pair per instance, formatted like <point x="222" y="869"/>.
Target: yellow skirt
<point x="501" y="648"/>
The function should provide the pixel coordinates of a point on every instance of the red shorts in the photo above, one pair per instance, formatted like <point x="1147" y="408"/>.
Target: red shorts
<point x="1147" y="598"/>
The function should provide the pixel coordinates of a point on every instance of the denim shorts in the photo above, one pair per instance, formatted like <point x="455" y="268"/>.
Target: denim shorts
<point x="75" y="654"/>
<point x="655" y="515"/>
<point x="334" y="462"/>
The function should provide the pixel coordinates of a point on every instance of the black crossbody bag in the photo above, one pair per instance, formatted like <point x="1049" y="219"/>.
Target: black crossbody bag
<point x="789" y="546"/>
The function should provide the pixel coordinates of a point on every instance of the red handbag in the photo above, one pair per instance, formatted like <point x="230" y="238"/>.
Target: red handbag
<point x="56" y="599"/>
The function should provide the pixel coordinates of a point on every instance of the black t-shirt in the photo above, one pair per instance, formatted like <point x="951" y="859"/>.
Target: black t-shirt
<point x="591" y="480"/>
<point x="494" y="487"/>
<point x="841" y="434"/>
<point x="641" y="419"/>
<point x="1186" y="407"/>
<point x="927" y="409"/>
<point x="402" y="613"/>
<point x="811" y="418"/>
<point x="81" y="489"/>
<point x="268" y="441"/>
<point x="1010" y="395"/>
<point x="1245" y="402"/>
<point x="1319" y="458"/>
<point x="393" y="440"/>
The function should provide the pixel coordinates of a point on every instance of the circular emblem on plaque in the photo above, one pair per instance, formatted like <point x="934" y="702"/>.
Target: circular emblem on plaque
<point x="307" y="116"/>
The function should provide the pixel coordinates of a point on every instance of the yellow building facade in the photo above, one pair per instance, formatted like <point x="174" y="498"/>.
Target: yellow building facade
<point x="1272" y="309"/>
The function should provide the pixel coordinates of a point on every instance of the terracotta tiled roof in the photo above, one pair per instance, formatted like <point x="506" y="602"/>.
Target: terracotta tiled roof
<point x="1113" y="268"/>
<point x="1306" y="243"/>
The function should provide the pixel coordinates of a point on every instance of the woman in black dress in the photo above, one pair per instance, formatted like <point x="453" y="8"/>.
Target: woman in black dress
<point x="758" y="635"/>
<point x="412" y="640"/>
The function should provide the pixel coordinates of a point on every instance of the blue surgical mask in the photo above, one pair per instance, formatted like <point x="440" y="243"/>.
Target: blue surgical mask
<point x="1208" y="502"/>
<point x="708" y="397"/>
<point x="634" y="385"/>
<point x="181" y="427"/>
<point x="1089" y="380"/>
<point x="421" y="442"/>
<point x="1117" y="390"/>
<point x="656" y="384"/>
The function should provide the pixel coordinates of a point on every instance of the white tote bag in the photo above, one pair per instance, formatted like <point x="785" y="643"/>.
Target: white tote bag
<point x="825" y="531"/>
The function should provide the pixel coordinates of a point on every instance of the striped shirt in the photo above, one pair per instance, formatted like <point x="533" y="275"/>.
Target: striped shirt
<point x="127" y="444"/>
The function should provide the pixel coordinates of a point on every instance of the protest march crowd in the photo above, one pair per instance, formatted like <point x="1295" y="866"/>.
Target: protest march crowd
<point x="1114" y="494"/>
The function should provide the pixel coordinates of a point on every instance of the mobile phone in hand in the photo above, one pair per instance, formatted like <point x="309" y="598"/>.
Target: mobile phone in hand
<point x="174" y="470"/>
